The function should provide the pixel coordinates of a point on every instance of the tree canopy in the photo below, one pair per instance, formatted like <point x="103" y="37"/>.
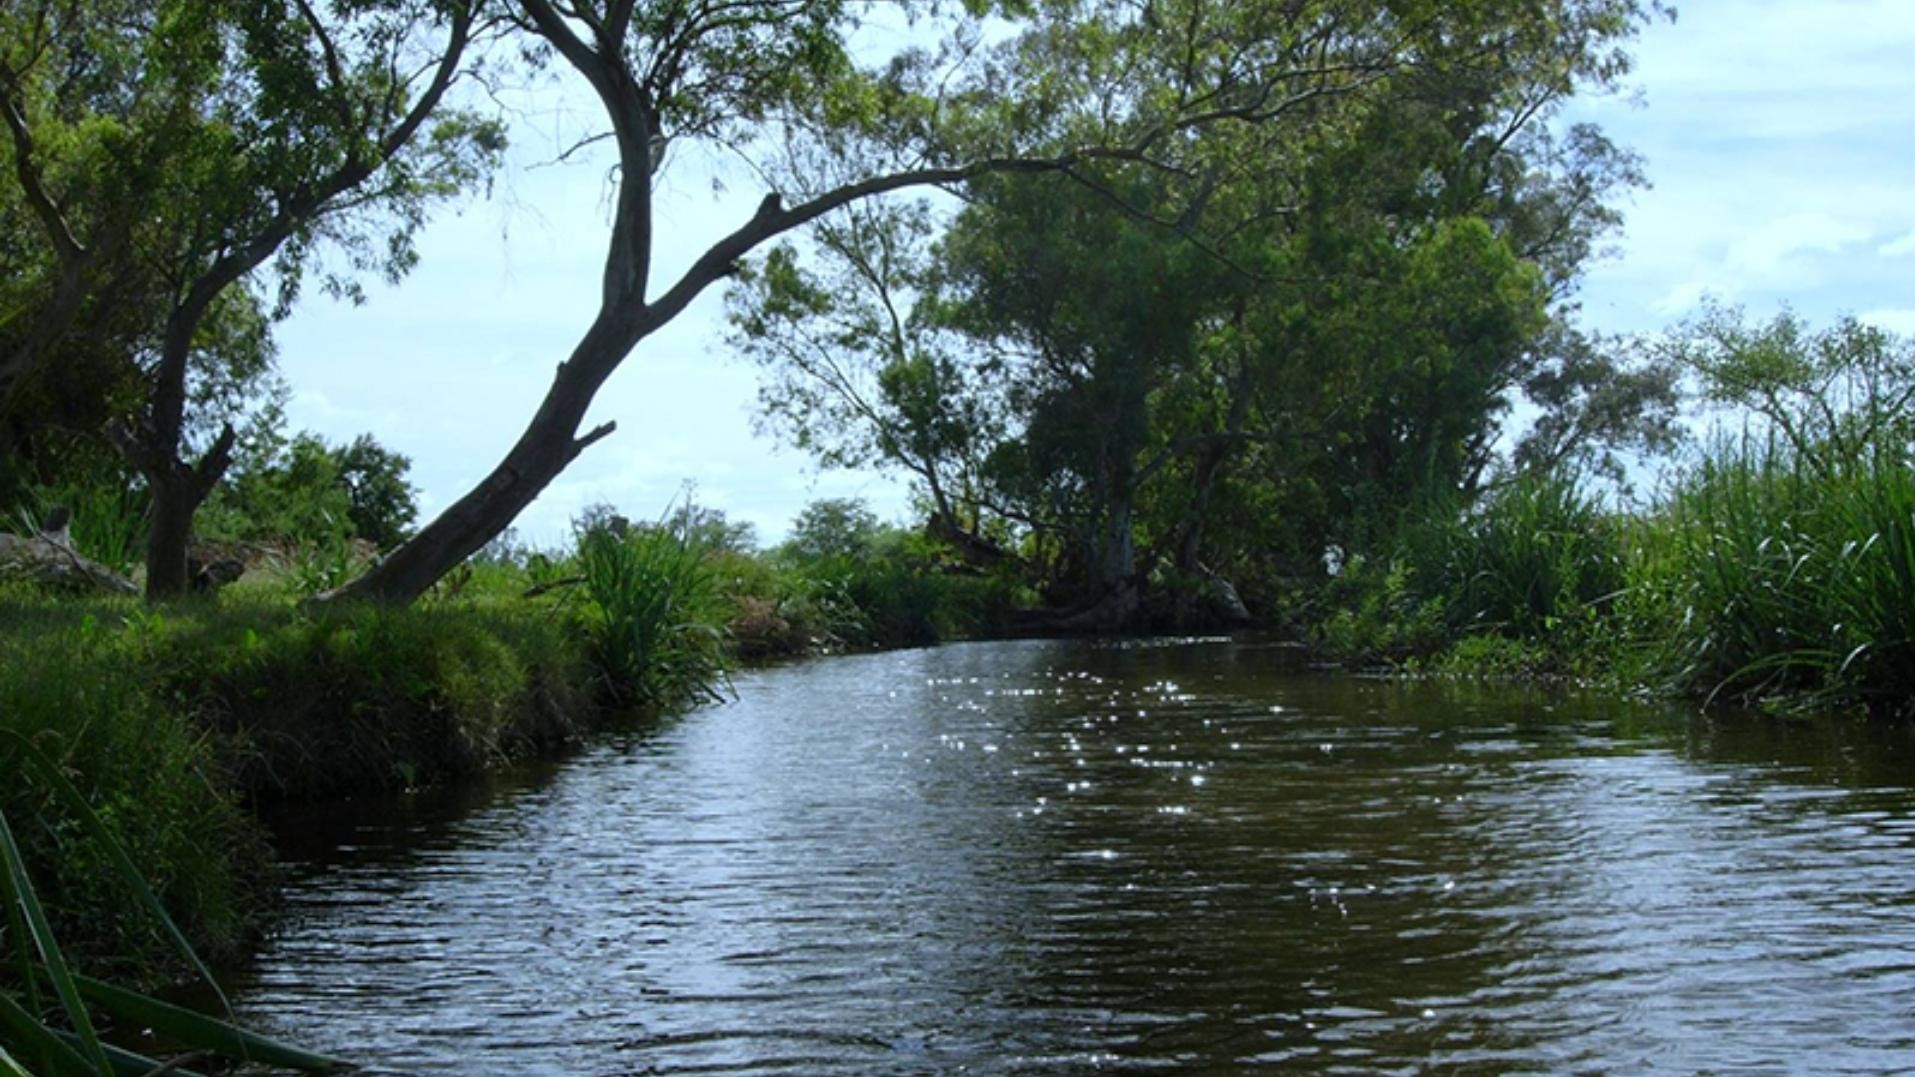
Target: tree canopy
<point x="1188" y="264"/>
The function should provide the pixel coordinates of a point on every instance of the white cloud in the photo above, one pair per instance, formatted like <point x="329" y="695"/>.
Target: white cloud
<point x="1898" y="248"/>
<point x="1767" y="249"/>
<point x="1894" y="319"/>
<point x="1781" y="255"/>
<point x="1774" y="135"/>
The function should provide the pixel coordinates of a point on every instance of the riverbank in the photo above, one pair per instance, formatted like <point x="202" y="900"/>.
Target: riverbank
<point x="183" y="723"/>
<point x="174" y="722"/>
<point x="1763" y="577"/>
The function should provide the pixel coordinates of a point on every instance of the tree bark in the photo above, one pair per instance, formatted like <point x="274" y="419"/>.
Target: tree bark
<point x="169" y="533"/>
<point x="548" y="445"/>
<point x="178" y="490"/>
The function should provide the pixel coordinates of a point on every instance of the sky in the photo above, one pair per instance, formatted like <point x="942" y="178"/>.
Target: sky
<point x="1778" y="137"/>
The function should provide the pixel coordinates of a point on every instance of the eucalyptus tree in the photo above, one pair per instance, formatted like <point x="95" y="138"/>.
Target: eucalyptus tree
<point x="857" y="370"/>
<point x="265" y="132"/>
<point x="1080" y="84"/>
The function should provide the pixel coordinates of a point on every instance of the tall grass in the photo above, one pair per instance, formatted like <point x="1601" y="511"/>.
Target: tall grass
<point x="1772" y="576"/>
<point x="51" y="1020"/>
<point x="108" y="525"/>
<point x="654" y="615"/>
<point x="75" y="685"/>
<point x="1538" y="561"/>
<point x="1537" y="557"/>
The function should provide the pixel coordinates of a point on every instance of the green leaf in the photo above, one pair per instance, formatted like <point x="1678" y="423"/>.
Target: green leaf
<point x="19" y="892"/>
<point x="198" y="1030"/>
<point x="89" y="820"/>
<point x="10" y="1068"/>
<point x="127" y="1063"/>
<point x="36" y="1040"/>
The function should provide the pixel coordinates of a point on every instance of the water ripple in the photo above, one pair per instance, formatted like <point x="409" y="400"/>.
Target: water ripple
<point x="1038" y="857"/>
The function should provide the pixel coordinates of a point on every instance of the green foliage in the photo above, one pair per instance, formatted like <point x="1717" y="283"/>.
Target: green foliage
<point x="653" y="615"/>
<point x="315" y="495"/>
<point x="896" y="587"/>
<point x="164" y="719"/>
<point x="1782" y="566"/>
<point x="76" y="683"/>
<point x="1497" y="657"/>
<point x="1769" y="577"/>
<point x="1537" y="559"/>
<point x="108" y="523"/>
<point x="77" y="1048"/>
<point x="1538" y="563"/>
<point x="322" y="705"/>
<point x="832" y="528"/>
<point x="1832" y="396"/>
<point x="1378" y="612"/>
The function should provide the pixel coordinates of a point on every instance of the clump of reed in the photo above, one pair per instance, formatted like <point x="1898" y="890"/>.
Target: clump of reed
<point x="1773" y="574"/>
<point x="1538" y="561"/>
<point x="653" y="615"/>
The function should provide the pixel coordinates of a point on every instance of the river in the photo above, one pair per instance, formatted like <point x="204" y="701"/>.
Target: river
<point x="1186" y="855"/>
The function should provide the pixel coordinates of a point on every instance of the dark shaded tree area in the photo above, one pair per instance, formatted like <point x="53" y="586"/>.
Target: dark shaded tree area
<point x="176" y="166"/>
<point x="1244" y="349"/>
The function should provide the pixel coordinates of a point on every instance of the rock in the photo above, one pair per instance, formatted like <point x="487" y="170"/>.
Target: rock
<point x="210" y="577"/>
<point x="49" y="561"/>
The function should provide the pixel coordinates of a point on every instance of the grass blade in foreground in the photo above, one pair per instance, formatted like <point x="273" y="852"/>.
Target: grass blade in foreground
<point x="76" y="802"/>
<point x="198" y="1030"/>
<point x="34" y="1039"/>
<point x="81" y="1051"/>
<point x="19" y="892"/>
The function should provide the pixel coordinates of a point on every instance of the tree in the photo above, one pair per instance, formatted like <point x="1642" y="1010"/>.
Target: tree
<point x="268" y="131"/>
<point x="382" y="503"/>
<point x="1355" y="290"/>
<point x="832" y="529"/>
<point x="858" y="372"/>
<point x="1835" y="396"/>
<point x="1094" y="82"/>
<point x="304" y="489"/>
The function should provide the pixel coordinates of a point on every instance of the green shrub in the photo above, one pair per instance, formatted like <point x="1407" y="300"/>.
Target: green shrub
<point x="1539" y="557"/>
<point x="653" y="618"/>
<point x="1537" y="561"/>
<point x="74" y="682"/>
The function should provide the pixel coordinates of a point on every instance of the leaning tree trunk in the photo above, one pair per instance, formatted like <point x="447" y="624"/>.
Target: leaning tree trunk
<point x="549" y="444"/>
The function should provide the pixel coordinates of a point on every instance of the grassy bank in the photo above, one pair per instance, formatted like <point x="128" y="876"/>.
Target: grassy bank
<point x="1763" y="577"/>
<point x="1776" y="569"/>
<point x="172" y="721"/>
<point x="176" y="720"/>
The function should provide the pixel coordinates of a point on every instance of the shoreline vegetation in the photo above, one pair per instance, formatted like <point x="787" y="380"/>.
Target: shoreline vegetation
<point x="1246" y="314"/>
<point x="1764" y="576"/>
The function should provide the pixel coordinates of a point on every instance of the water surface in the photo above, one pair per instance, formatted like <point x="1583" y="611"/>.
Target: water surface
<point x="1057" y="857"/>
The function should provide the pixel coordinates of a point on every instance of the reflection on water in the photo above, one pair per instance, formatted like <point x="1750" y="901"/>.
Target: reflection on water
<point x="1048" y="857"/>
